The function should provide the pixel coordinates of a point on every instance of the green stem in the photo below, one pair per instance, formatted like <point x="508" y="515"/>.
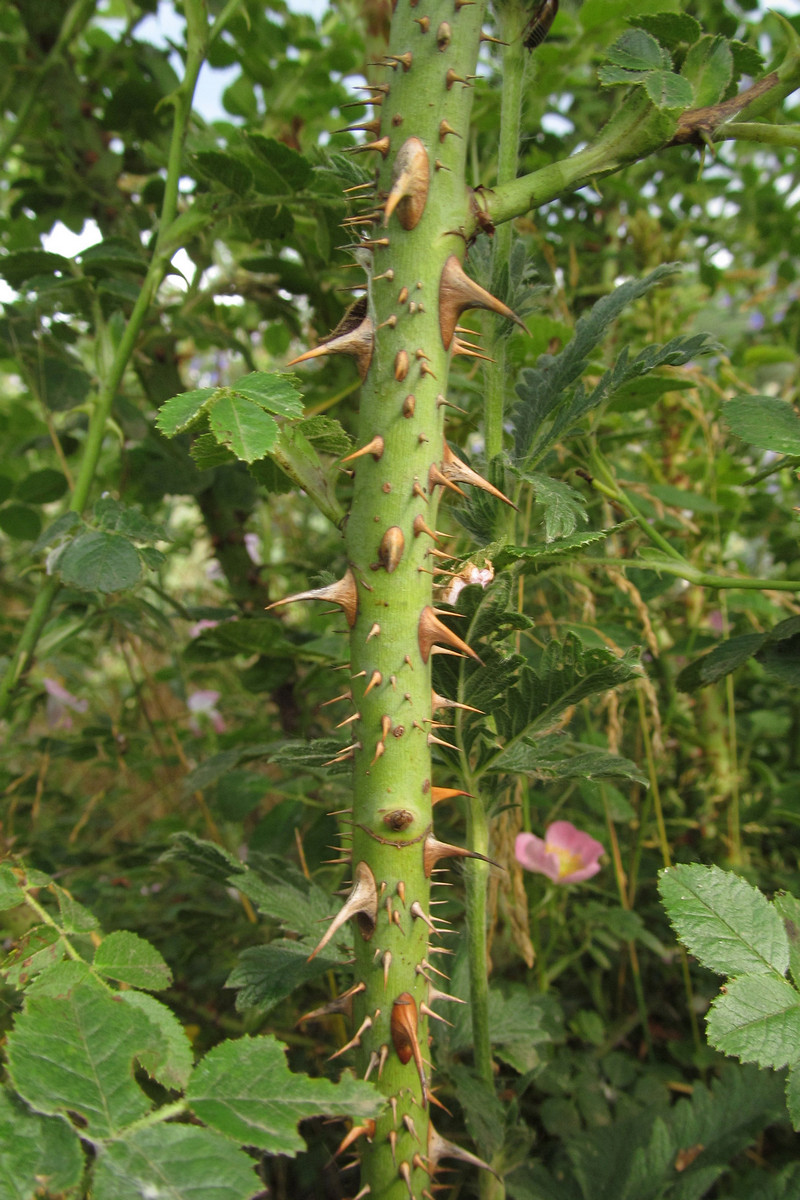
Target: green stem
<point x="754" y="131"/>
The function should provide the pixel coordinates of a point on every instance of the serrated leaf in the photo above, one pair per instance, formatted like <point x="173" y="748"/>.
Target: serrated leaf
<point x="128" y="958"/>
<point x="207" y="453"/>
<point x="283" y="896"/>
<point x="168" y="1058"/>
<point x="265" y="975"/>
<point x="11" y="894"/>
<point x="564" y="508"/>
<point x="73" y="1053"/>
<point x="116" y="517"/>
<point x="226" y="169"/>
<point x="173" y="1162"/>
<point x="570" y="544"/>
<point x="756" y="1019"/>
<point x="669" y="28"/>
<point x="243" y="426"/>
<point x="185" y="411"/>
<point x="20" y="265"/>
<point x="75" y="917"/>
<point x="41" y="487"/>
<point x="720" y="661"/>
<point x="101" y="562"/>
<point x="326" y="435"/>
<point x="293" y="167"/>
<point x="484" y="1115"/>
<point x="708" y="67"/>
<point x="764" y="421"/>
<point x="62" y="527"/>
<point x="35" y="1151"/>
<point x="206" y="858"/>
<point x="245" y="1090"/>
<point x="668" y="90"/>
<point x="275" y="393"/>
<point x="723" y="920"/>
<point x="636" y="50"/>
<point x="787" y="907"/>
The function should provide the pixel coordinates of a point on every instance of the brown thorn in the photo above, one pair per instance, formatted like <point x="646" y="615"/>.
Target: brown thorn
<point x="404" y="1171"/>
<point x="348" y="720"/>
<point x="417" y="912"/>
<point x="408" y="1121"/>
<point x="435" y="476"/>
<point x="393" y="1144"/>
<point x="469" y="351"/>
<point x="374" y="631"/>
<point x="391" y="547"/>
<point x="353" y="336"/>
<point x="424" y="23"/>
<point x="380" y="749"/>
<point x="386" y="962"/>
<point x="438" y="794"/>
<point x="362" y="904"/>
<point x="382" y="1057"/>
<point x="401" y="365"/>
<point x="341" y="1004"/>
<point x="343" y="592"/>
<point x="375" y="679"/>
<point x="457" y="293"/>
<point x="438" y="701"/>
<point x="344" y="696"/>
<point x="439" y="1147"/>
<point x="444" y="128"/>
<point x="410" y="181"/>
<point x="355" y="1133"/>
<point x="372" y="1064"/>
<point x="454" y="468"/>
<point x="420" y="527"/>
<point x="449" y="79"/>
<point x="402" y="295"/>
<point x="400" y="889"/>
<point x="434" y="994"/>
<point x="374" y="447"/>
<point x="381" y="145"/>
<point x="432" y="630"/>
<point x="409" y="404"/>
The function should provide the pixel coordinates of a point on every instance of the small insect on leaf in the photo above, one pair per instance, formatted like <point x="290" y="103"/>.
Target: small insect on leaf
<point x="538" y="27"/>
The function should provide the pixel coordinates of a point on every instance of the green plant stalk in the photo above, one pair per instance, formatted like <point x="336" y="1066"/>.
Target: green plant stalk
<point x="197" y="40"/>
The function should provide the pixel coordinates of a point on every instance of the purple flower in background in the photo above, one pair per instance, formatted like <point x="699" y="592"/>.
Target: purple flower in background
<point x="204" y="703"/>
<point x="58" y="701"/>
<point x="567" y="855"/>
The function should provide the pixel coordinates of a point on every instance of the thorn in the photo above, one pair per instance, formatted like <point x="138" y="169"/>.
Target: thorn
<point x="400" y="889"/>
<point x="434" y="994"/>
<point x="435" y="1100"/>
<point x="386" y="726"/>
<point x="419" y="491"/>
<point x="380" y="750"/>
<point x="402" y="295"/>
<point x="404" y="1171"/>
<point x="341" y="1004"/>
<point x="396" y="920"/>
<point x="353" y="336"/>
<point x="428" y="1012"/>
<point x="443" y="35"/>
<point x="374" y="631"/>
<point x="375" y="679"/>
<point x="403" y="60"/>
<point x="348" y="720"/>
<point x="342" y="756"/>
<point x="438" y="794"/>
<point x="386" y="275"/>
<point x="365" y="1191"/>
<point x="362" y="903"/>
<point x="485" y="38"/>
<point x="455" y="469"/>
<point x="408" y="1121"/>
<point x="374" y="447"/>
<point x="344" y="696"/>
<point x="431" y="630"/>
<point x="435" y="741"/>
<point x="390" y="322"/>
<point x="382" y="1057"/>
<point x="449" y="79"/>
<point x="410" y="180"/>
<point x="355" y="1133"/>
<point x="426" y="369"/>
<point x="439" y="1147"/>
<point x="386" y="962"/>
<point x="470" y="351"/>
<point x="355" y="1040"/>
<point x="416" y="911"/>
<point x="409" y="404"/>
<point x="424" y="965"/>
<point x="401" y="365"/>
<point x="444" y="128"/>
<point x="371" y="1065"/>
<point x="439" y="165"/>
<point x="403" y="1026"/>
<point x="391" y="547"/>
<point x="393" y="1144"/>
<point x="457" y="293"/>
<point x="381" y="145"/>
<point x="343" y="592"/>
<point x="436" y="476"/>
<point x="373" y="126"/>
<point x="424" y="23"/>
<point x="420" y="527"/>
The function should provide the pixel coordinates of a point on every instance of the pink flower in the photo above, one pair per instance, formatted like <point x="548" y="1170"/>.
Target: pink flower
<point x="567" y="855"/>
<point x="58" y="701"/>
<point x="204" y="704"/>
<point x="470" y="574"/>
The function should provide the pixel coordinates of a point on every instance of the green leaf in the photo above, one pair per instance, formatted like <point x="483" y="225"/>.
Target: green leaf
<point x="245" y="1090"/>
<point x="11" y="894"/>
<point x="636" y="50"/>
<point x="75" y="917"/>
<point x="101" y="562"/>
<point x="788" y="908"/>
<point x="225" y="169"/>
<point x="15" y="268"/>
<point x="723" y="920"/>
<point x="20" y="522"/>
<point x="173" y="1162"/>
<point x="670" y="28"/>
<point x="169" y="1057"/>
<point x="73" y="1053"/>
<point x="756" y="1019"/>
<point x="275" y="393"/>
<point x="62" y="527"/>
<point x="206" y="858"/>
<point x="564" y="508"/>
<point x="207" y="453"/>
<point x="720" y="661"/>
<point x="265" y="975"/>
<point x="572" y="543"/>
<point x="668" y="90"/>
<point x="708" y="67"/>
<point x="183" y="412"/>
<point x="116" y="517"/>
<point x="764" y="421"/>
<point x="243" y="426"/>
<point x="128" y="958"/>
<point x="295" y="169"/>
<point x="41" y="487"/>
<point x="35" y="1152"/>
<point x="484" y="1115"/>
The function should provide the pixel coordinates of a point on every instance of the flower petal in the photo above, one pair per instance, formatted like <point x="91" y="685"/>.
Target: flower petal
<point x="532" y="853"/>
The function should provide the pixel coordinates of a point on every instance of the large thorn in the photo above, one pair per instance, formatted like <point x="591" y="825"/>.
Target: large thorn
<point x="428" y="1012"/>
<point x="403" y="1027"/>
<point x="344" y="593"/>
<point x="409" y="189"/>
<point x="454" y="468"/>
<point x="436" y="476"/>
<point x="381" y="145"/>
<point x="355" y="1133"/>
<point x="391" y="547"/>
<point x="438" y="701"/>
<point x="353" y="336"/>
<point x="431" y="630"/>
<point x="439" y="1148"/>
<point x="434" y="850"/>
<point x="362" y="903"/>
<point x="457" y="293"/>
<point x="374" y="447"/>
<point x="438" y="794"/>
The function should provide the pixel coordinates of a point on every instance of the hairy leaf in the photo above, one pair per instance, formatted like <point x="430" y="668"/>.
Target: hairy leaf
<point x="756" y="1019"/>
<point x="723" y="920"/>
<point x="177" y="1162"/>
<point x="764" y="421"/>
<point x="130" y="959"/>
<point x="35" y="1151"/>
<point x="245" y="1090"/>
<point x="265" y="975"/>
